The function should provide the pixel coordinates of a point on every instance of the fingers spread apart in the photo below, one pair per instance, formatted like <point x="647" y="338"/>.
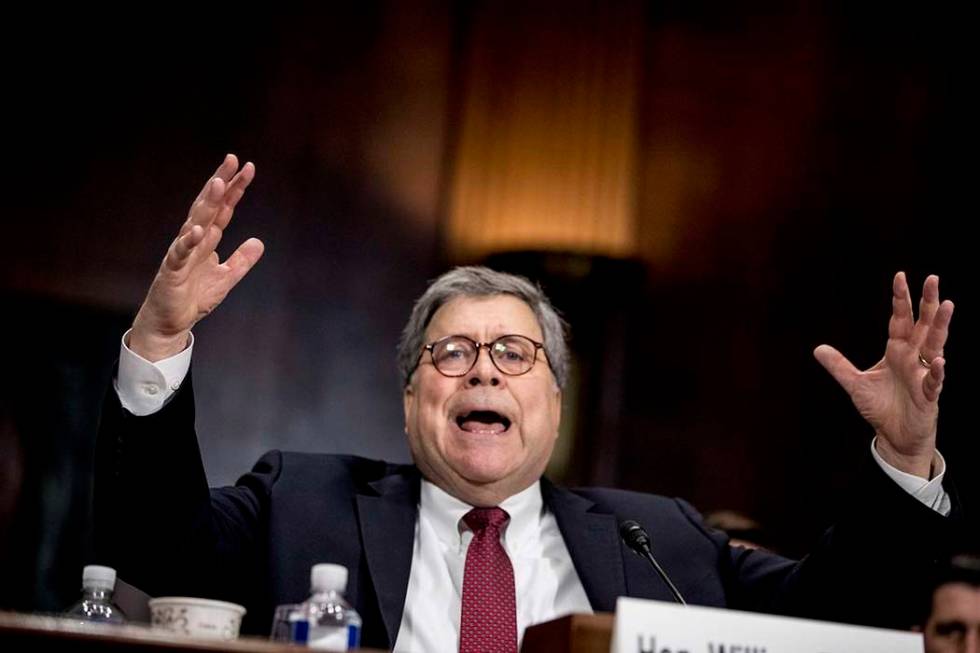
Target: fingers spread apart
<point x="242" y="260"/>
<point x="927" y="334"/>
<point x="935" y="338"/>
<point x="217" y="200"/>
<point x="900" y="324"/>
<point x="233" y="193"/>
<point x="183" y="246"/>
<point x="932" y="383"/>
<point x="839" y="367"/>
<point x="928" y="307"/>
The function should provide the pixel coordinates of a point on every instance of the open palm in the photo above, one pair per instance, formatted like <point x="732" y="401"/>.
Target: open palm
<point x="899" y="395"/>
<point x="192" y="281"/>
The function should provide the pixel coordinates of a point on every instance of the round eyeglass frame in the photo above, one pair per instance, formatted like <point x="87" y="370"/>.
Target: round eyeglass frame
<point x="431" y="347"/>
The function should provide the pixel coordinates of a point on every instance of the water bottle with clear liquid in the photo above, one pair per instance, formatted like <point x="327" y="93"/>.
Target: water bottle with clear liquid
<point x="95" y="605"/>
<point x="334" y="625"/>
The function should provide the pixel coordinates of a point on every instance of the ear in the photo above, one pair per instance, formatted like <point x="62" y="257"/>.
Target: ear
<point x="556" y="409"/>
<point x="408" y="397"/>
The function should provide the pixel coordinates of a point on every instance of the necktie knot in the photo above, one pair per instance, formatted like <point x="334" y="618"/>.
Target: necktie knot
<point x="481" y="519"/>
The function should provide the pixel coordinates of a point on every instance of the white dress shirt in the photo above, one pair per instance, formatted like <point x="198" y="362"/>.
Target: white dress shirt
<point x="545" y="579"/>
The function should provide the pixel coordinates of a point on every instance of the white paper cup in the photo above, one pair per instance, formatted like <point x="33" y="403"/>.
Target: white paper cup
<point x="205" y="618"/>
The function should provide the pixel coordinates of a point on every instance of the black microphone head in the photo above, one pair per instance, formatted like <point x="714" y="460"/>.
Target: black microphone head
<point x="634" y="535"/>
<point x="637" y="539"/>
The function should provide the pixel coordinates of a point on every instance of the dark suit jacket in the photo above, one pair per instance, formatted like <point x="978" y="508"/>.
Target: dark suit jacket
<point x="159" y="524"/>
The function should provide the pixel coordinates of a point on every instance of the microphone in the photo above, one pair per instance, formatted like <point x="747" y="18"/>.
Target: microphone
<point x="637" y="539"/>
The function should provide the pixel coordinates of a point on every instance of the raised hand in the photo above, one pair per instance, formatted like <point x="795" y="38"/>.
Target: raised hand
<point x="899" y="395"/>
<point x="192" y="281"/>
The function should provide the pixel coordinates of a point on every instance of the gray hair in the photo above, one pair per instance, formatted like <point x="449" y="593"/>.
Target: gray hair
<point x="477" y="281"/>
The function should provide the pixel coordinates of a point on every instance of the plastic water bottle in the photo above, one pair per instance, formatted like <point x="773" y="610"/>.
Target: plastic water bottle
<point x="96" y="603"/>
<point x="333" y="624"/>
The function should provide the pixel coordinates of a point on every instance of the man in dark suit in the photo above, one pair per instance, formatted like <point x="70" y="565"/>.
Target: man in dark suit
<point x="468" y="546"/>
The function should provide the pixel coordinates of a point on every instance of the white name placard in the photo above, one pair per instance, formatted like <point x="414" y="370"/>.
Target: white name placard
<point x="643" y="626"/>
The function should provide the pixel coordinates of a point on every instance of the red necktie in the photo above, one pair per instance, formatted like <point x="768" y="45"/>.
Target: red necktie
<point x="488" y="623"/>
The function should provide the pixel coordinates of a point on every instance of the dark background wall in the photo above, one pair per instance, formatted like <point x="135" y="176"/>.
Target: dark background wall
<point x="786" y="161"/>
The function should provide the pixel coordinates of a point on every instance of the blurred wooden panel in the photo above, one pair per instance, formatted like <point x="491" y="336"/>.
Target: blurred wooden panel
<point x="545" y="151"/>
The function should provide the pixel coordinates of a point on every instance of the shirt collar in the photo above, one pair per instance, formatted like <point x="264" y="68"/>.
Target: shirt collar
<point x="445" y="512"/>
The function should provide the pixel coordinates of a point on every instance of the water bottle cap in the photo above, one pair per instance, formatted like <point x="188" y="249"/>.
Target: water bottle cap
<point x="99" y="576"/>
<point x="326" y="577"/>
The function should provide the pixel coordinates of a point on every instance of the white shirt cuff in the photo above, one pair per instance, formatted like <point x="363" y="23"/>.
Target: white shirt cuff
<point x="144" y="387"/>
<point x="930" y="492"/>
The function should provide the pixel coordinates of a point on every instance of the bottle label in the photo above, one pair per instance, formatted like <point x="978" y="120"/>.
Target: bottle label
<point x="328" y="638"/>
<point x="353" y="636"/>
<point x="299" y="631"/>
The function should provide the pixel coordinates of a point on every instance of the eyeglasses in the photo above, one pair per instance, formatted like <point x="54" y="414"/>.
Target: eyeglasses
<point x="457" y="355"/>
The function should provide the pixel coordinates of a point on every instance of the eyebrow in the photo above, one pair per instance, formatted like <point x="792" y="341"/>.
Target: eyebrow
<point x="488" y="341"/>
<point x="950" y="626"/>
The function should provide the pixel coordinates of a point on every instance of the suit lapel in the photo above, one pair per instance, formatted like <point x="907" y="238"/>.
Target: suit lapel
<point x="387" y="512"/>
<point x="592" y="538"/>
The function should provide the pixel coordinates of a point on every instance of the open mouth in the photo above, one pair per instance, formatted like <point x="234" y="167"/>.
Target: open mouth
<point x="483" y="421"/>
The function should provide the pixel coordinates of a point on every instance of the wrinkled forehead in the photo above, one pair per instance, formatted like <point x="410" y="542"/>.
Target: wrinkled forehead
<point x="483" y="318"/>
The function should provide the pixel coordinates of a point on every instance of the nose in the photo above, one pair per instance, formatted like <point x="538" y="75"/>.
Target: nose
<point x="484" y="372"/>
